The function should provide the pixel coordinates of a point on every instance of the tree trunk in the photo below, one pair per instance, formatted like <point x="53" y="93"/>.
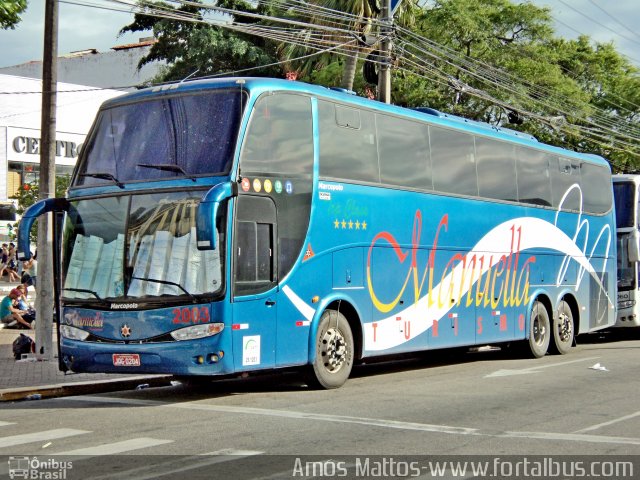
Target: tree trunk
<point x="349" y="71"/>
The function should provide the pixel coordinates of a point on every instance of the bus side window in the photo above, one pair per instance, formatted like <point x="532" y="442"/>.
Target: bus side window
<point x="565" y="183"/>
<point x="496" y="169"/>
<point x="280" y="136"/>
<point x="453" y="162"/>
<point x="348" y="146"/>
<point x="255" y="245"/>
<point x="404" y="152"/>
<point x="534" y="181"/>
<point x="596" y="188"/>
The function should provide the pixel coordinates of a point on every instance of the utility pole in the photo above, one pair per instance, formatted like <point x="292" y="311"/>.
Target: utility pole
<point x="44" y="286"/>
<point x="384" y="75"/>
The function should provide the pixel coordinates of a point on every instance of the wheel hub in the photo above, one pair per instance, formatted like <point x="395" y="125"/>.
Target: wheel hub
<point x="565" y="327"/>
<point x="539" y="331"/>
<point x="334" y="350"/>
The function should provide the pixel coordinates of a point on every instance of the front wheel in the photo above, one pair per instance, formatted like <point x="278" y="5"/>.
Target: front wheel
<point x="539" y="331"/>
<point x="563" y="329"/>
<point x="334" y="352"/>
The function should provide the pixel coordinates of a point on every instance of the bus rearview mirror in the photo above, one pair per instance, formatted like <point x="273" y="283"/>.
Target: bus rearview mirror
<point x="206" y="233"/>
<point x="30" y="215"/>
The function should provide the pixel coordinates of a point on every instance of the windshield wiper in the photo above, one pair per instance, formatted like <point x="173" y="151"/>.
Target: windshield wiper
<point x="165" y="282"/>
<point x="104" y="176"/>
<point x="168" y="167"/>
<point x="84" y="290"/>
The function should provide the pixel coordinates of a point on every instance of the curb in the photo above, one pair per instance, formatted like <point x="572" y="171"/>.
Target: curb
<point x="83" y="388"/>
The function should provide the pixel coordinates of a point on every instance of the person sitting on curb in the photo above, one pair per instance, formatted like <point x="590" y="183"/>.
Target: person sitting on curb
<point x="26" y="310"/>
<point x="10" y="313"/>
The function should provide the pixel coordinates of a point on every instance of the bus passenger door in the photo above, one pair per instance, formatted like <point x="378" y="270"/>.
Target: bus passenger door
<point x="254" y="283"/>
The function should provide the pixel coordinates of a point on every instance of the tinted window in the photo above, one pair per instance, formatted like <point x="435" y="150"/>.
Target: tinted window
<point x="534" y="182"/>
<point x="596" y="188"/>
<point x="623" y="193"/>
<point x="348" y="147"/>
<point x="453" y="162"/>
<point x="280" y="136"/>
<point x="163" y="138"/>
<point x="8" y="212"/>
<point x="496" y="169"/>
<point x="404" y="153"/>
<point x="254" y="252"/>
<point x="255" y="245"/>
<point x="564" y="180"/>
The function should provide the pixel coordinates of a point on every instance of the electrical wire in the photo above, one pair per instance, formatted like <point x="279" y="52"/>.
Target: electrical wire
<point x="334" y="33"/>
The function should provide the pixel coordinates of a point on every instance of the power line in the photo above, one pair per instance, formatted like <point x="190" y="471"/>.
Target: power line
<point x="420" y="55"/>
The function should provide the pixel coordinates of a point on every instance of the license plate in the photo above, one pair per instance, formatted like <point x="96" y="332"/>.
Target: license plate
<point x="126" y="360"/>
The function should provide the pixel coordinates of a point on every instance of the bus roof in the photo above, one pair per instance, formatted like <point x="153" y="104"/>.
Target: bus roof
<point x="258" y="85"/>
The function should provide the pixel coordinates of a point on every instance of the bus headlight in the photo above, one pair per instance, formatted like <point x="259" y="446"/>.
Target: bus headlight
<point x="197" y="331"/>
<point x="73" y="333"/>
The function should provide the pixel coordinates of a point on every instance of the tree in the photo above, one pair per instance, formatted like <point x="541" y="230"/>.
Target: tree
<point x="10" y="11"/>
<point x="189" y="47"/>
<point x="359" y="23"/>
<point x="28" y="194"/>
<point x="358" y="42"/>
<point x="492" y="57"/>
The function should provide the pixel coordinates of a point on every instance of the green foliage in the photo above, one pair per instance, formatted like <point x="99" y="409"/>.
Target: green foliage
<point x="490" y="58"/>
<point x="190" y="47"/>
<point x="559" y="82"/>
<point x="29" y="193"/>
<point x="10" y="11"/>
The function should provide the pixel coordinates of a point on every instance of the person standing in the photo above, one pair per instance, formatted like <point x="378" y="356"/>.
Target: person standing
<point x="12" y="264"/>
<point x="4" y="259"/>
<point x="30" y="270"/>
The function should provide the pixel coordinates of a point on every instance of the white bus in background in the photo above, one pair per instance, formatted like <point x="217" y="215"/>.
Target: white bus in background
<point x="625" y="189"/>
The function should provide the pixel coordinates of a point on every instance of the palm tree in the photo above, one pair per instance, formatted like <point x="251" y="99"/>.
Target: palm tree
<point x="358" y="21"/>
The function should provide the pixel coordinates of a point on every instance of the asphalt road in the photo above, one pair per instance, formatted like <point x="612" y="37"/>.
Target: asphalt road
<point x="441" y="404"/>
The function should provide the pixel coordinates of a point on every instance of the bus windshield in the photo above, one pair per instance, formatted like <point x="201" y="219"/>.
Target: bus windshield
<point x="623" y="193"/>
<point x="140" y="247"/>
<point x="167" y="138"/>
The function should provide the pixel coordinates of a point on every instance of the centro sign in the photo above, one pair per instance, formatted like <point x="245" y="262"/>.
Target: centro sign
<point x="24" y="144"/>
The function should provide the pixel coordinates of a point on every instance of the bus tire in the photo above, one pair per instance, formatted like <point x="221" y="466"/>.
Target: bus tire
<point x="334" y="352"/>
<point x="539" y="330"/>
<point x="563" y="329"/>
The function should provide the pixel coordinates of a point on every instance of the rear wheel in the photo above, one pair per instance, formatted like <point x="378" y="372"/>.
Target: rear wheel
<point x="334" y="352"/>
<point x="539" y="331"/>
<point x="563" y="329"/>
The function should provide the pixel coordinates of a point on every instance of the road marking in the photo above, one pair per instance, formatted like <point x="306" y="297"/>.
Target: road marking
<point x="536" y="369"/>
<point x="4" y="424"/>
<point x="573" y="437"/>
<point x="178" y="465"/>
<point x="14" y="440"/>
<point x="606" y="424"/>
<point x="117" y="447"/>
<point x="230" y="451"/>
<point x="287" y="414"/>
<point x="375" y="422"/>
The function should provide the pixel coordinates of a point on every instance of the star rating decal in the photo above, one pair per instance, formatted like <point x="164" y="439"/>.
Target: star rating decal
<point x="350" y="224"/>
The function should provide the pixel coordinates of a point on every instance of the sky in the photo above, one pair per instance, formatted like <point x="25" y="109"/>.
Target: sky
<point x="82" y="27"/>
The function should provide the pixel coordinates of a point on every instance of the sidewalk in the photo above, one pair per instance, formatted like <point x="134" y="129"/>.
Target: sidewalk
<point x="22" y="379"/>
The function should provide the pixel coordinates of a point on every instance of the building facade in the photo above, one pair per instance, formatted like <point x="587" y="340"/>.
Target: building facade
<point x="20" y="145"/>
<point x="85" y="80"/>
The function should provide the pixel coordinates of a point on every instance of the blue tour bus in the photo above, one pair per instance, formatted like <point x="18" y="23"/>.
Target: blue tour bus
<point x="217" y="227"/>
